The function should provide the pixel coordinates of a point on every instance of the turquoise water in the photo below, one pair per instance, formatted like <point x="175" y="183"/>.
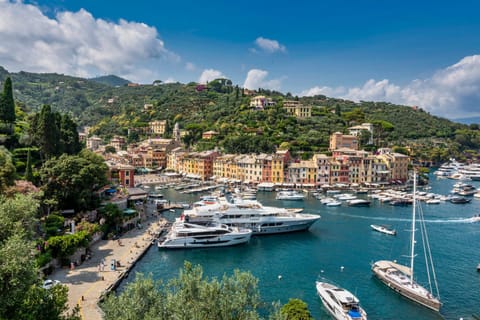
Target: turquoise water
<point x="343" y="238"/>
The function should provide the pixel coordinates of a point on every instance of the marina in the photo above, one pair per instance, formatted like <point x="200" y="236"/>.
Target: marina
<point x="341" y="247"/>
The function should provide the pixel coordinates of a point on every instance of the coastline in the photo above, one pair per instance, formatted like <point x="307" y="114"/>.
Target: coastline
<point x="89" y="282"/>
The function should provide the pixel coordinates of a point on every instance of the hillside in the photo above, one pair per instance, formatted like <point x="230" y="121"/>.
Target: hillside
<point x="111" y="80"/>
<point x="224" y="108"/>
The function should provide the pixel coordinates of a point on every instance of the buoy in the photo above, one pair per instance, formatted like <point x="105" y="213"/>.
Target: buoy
<point x="342" y="267"/>
<point x="321" y="271"/>
<point x="279" y="276"/>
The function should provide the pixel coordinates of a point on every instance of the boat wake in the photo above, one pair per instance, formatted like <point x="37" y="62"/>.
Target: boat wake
<point x="453" y="220"/>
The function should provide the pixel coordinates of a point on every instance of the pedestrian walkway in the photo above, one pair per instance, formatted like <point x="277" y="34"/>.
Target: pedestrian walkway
<point x="86" y="283"/>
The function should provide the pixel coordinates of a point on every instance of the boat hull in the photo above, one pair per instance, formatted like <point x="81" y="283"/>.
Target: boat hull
<point x="412" y="293"/>
<point x="220" y="241"/>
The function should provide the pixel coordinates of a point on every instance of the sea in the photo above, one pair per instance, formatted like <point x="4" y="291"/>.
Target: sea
<point x="340" y="248"/>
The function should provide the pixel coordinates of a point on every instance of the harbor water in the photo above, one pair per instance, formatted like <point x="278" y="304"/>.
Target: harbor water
<point x="340" y="248"/>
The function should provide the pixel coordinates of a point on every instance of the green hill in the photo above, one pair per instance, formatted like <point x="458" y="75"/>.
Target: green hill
<point x="224" y="108"/>
<point x="111" y="80"/>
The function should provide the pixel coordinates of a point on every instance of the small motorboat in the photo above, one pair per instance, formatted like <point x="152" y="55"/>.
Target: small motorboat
<point x="478" y="267"/>
<point x="383" y="229"/>
<point x="358" y="203"/>
<point x="459" y="200"/>
<point x="475" y="218"/>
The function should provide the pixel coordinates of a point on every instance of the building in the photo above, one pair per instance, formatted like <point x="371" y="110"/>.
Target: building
<point x="157" y="127"/>
<point x="207" y="135"/>
<point x="339" y="140"/>
<point x="396" y="164"/>
<point x="121" y="174"/>
<point x="198" y="164"/>
<point x="323" y="168"/>
<point x="303" y="173"/>
<point x="118" y="143"/>
<point x="93" y="143"/>
<point x="296" y="109"/>
<point x="261" y="102"/>
<point x="357" y="131"/>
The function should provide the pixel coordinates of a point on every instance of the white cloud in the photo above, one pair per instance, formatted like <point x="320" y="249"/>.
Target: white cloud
<point x="269" y="45"/>
<point x="169" y="80"/>
<point x="257" y="78"/>
<point x="453" y="92"/>
<point x="209" y="75"/>
<point x="77" y="43"/>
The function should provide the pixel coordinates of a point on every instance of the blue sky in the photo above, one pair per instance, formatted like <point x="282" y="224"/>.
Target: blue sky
<point x="421" y="53"/>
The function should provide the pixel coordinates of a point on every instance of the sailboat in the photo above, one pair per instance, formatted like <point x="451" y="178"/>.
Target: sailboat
<point x="401" y="278"/>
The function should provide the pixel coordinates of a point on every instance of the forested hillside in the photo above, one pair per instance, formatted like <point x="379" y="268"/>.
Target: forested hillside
<point x="223" y="107"/>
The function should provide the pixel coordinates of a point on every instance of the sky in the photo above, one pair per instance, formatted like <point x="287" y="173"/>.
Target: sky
<point x="423" y="53"/>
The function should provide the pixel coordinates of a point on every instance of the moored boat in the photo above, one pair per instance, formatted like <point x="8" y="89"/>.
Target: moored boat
<point x="383" y="229"/>
<point x="340" y="303"/>
<point x="358" y="203"/>
<point x="289" y="195"/>
<point x="400" y="278"/>
<point x="253" y="215"/>
<point x="188" y="235"/>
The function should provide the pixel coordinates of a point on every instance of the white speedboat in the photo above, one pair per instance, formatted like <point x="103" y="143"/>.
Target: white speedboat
<point x="340" y="303"/>
<point x="400" y="278"/>
<point x="475" y="218"/>
<point x="383" y="229"/>
<point x="251" y="214"/>
<point x="289" y="195"/>
<point x="188" y="235"/>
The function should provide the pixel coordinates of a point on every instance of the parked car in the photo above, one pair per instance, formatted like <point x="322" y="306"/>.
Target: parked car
<point x="47" y="284"/>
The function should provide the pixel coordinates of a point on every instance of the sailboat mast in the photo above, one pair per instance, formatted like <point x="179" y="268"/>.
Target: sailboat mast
<point x="412" y="253"/>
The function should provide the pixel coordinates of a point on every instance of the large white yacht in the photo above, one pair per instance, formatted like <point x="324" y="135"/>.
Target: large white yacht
<point x="251" y="214"/>
<point x="341" y="304"/>
<point x="188" y="235"/>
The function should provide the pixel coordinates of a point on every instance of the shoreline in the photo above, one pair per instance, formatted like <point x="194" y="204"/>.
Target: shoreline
<point x="90" y="282"/>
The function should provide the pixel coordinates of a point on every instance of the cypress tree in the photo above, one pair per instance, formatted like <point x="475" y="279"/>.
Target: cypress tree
<point x="69" y="136"/>
<point x="8" y="104"/>
<point x="28" y="169"/>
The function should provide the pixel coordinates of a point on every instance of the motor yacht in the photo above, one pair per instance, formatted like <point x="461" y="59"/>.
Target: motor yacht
<point x="340" y="303"/>
<point x="289" y="195"/>
<point x="189" y="235"/>
<point x="251" y="214"/>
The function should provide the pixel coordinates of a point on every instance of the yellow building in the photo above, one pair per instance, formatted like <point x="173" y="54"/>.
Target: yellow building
<point x="295" y="108"/>
<point x="396" y="163"/>
<point x="158" y="126"/>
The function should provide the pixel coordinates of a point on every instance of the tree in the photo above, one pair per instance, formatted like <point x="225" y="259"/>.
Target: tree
<point x="45" y="132"/>
<point x="69" y="139"/>
<point x="20" y="291"/>
<point x="190" y="296"/>
<point x="73" y="180"/>
<point x="7" y="169"/>
<point x="18" y="215"/>
<point x="28" y="167"/>
<point x="296" y="309"/>
<point x="7" y="104"/>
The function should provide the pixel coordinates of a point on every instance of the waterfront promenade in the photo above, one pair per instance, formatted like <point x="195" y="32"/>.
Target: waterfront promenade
<point x="89" y="281"/>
